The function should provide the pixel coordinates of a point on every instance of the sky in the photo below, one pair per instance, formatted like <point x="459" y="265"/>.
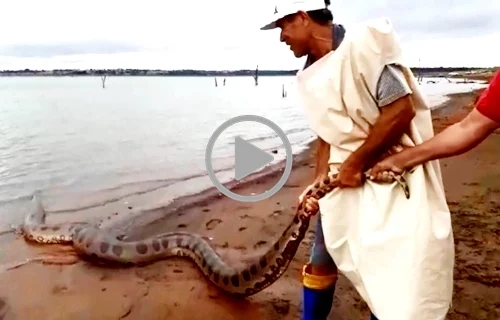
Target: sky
<point x="225" y="34"/>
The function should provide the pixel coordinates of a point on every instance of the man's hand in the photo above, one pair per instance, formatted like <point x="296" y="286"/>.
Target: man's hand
<point x="311" y="204"/>
<point x="351" y="174"/>
<point x="391" y="163"/>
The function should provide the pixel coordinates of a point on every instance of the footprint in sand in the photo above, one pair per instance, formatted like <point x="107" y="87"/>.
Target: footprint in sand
<point x="3" y="308"/>
<point x="212" y="223"/>
<point x="259" y="244"/>
<point x="275" y="213"/>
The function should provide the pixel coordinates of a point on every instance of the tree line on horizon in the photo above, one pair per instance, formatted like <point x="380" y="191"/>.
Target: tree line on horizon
<point x="193" y="72"/>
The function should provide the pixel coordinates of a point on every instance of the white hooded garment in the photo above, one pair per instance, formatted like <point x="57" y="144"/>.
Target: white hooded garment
<point x="397" y="252"/>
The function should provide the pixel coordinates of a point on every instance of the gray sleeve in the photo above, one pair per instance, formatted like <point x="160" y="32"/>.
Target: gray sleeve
<point x="391" y="85"/>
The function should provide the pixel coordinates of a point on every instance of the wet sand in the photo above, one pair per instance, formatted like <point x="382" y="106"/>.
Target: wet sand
<point x="175" y="289"/>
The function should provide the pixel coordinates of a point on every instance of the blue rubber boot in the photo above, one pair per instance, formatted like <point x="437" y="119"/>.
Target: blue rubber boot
<point x="317" y="297"/>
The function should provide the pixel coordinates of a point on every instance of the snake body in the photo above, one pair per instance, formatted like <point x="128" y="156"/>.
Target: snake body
<point x="261" y="272"/>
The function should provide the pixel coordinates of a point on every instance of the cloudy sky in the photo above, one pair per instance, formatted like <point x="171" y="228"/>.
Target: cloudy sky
<point x="224" y="34"/>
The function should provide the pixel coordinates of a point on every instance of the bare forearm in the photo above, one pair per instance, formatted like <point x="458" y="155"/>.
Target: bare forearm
<point x="393" y="122"/>
<point x="454" y="140"/>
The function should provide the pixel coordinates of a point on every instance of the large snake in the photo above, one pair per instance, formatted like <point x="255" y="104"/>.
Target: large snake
<point x="90" y="240"/>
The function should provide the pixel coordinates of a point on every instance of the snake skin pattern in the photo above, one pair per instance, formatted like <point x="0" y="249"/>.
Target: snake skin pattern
<point x="89" y="240"/>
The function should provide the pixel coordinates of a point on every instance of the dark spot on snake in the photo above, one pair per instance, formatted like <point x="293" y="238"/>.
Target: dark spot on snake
<point x="253" y="269"/>
<point x="246" y="275"/>
<point x="268" y="277"/>
<point x="156" y="245"/>
<point x="225" y="280"/>
<point x="326" y="180"/>
<point x="117" y="250"/>
<point x="216" y="276"/>
<point x="210" y="271"/>
<point x="296" y="220"/>
<point x="316" y="185"/>
<point x="130" y="208"/>
<point x="55" y="228"/>
<point x="203" y="262"/>
<point x="141" y="248"/>
<point x="104" y="247"/>
<point x="89" y="242"/>
<point x="277" y="245"/>
<point x="43" y="228"/>
<point x="179" y="242"/>
<point x="164" y="243"/>
<point x="320" y="193"/>
<point x="182" y="225"/>
<point x="263" y="262"/>
<point x="309" y="192"/>
<point x="235" y="280"/>
<point x="81" y="237"/>
<point x="280" y="262"/>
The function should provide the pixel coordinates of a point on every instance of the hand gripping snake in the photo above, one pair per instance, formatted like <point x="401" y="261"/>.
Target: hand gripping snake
<point x="89" y="240"/>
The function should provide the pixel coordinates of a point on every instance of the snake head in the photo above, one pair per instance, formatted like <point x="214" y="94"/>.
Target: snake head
<point x="390" y="177"/>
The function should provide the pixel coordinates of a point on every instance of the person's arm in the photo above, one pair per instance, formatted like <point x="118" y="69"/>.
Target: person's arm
<point x="393" y="122"/>
<point x="454" y="140"/>
<point x="396" y="113"/>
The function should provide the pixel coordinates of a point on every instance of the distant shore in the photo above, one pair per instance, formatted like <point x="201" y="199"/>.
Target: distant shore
<point x="472" y="73"/>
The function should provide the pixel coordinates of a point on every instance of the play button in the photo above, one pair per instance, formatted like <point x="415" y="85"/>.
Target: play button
<point x="248" y="158"/>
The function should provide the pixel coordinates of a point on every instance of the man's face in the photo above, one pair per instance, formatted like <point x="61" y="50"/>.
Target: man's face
<point x="295" y="33"/>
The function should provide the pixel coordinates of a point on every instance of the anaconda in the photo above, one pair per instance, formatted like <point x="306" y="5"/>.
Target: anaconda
<point x="90" y="240"/>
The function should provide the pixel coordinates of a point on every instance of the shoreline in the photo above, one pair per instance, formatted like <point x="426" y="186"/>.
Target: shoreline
<point x="167" y="289"/>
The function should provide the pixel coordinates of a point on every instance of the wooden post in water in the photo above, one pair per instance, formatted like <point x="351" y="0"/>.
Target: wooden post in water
<point x="419" y="76"/>
<point x="103" y="79"/>
<point x="283" y="93"/>
<point x="215" y="82"/>
<point x="256" y="76"/>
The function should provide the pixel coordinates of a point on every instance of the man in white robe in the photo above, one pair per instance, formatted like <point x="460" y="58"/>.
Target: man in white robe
<point x="363" y="102"/>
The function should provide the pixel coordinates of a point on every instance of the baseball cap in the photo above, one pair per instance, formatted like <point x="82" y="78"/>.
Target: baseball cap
<point x="286" y="7"/>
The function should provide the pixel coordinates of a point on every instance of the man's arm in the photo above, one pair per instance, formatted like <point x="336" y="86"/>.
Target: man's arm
<point x="396" y="113"/>
<point x="454" y="140"/>
<point x="393" y="122"/>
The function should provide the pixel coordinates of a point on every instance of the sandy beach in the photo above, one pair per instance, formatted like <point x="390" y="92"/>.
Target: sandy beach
<point x="174" y="289"/>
